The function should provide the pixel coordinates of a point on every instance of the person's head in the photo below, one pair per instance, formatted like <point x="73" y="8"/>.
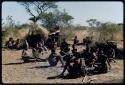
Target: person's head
<point x="18" y="39"/>
<point x="10" y="38"/>
<point x="49" y="36"/>
<point x="57" y="28"/>
<point x="75" y="37"/>
<point x="64" y="39"/>
<point x="53" y="51"/>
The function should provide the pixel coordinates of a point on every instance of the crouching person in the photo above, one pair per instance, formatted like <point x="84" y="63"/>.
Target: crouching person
<point x="24" y="52"/>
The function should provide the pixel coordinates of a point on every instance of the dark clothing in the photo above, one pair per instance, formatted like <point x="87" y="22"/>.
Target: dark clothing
<point x="77" y="55"/>
<point x="88" y="58"/>
<point x="50" y="43"/>
<point x="52" y="59"/>
<point x="102" y="58"/>
<point x="75" y="41"/>
<point x="75" y="69"/>
<point x="57" y="37"/>
<point x="64" y="46"/>
<point x="17" y="45"/>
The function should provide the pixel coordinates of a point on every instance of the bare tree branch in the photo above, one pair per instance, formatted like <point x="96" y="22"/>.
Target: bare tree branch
<point x="40" y="8"/>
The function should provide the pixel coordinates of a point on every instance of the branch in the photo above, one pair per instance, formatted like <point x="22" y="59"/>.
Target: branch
<point x="27" y="7"/>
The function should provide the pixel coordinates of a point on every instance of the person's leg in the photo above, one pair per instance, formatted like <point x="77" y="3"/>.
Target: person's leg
<point x="22" y="52"/>
<point x="44" y="47"/>
<point x="61" y="60"/>
<point x="108" y="62"/>
<point x="64" y="69"/>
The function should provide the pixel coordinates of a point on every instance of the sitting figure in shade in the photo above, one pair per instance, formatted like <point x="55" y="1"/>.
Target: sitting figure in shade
<point x="10" y="43"/>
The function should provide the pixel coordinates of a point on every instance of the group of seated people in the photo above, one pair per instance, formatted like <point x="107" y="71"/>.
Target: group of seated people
<point x="71" y="60"/>
<point x="13" y="44"/>
<point x="39" y="48"/>
<point x="74" y="61"/>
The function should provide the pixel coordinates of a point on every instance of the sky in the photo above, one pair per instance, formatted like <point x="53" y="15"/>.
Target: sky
<point x="81" y="11"/>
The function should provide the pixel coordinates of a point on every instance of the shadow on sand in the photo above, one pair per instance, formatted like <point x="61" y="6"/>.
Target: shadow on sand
<point x="14" y="63"/>
<point x="27" y="59"/>
<point x="64" y="77"/>
<point x="40" y="67"/>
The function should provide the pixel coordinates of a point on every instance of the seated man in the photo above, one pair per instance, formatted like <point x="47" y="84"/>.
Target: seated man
<point x="10" y="43"/>
<point x="54" y="58"/>
<point x="75" y="41"/>
<point x="73" y="70"/>
<point x="17" y="44"/>
<point x="76" y="54"/>
<point x="64" y="45"/>
<point x="67" y="64"/>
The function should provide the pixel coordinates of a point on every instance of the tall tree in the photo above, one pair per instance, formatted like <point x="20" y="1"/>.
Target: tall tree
<point x="66" y="19"/>
<point x="56" y="17"/>
<point x="37" y="8"/>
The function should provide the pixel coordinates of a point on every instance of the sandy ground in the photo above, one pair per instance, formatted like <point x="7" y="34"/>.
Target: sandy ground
<point x="14" y="71"/>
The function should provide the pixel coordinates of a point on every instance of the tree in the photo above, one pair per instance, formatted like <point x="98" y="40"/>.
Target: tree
<point x="56" y="17"/>
<point x="37" y="8"/>
<point x="92" y="22"/>
<point x="10" y="21"/>
<point x="66" y="19"/>
<point x="105" y="30"/>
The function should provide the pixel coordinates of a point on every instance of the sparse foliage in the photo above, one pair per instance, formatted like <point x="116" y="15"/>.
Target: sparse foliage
<point x="56" y="17"/>
<point x="105" y="30"/>
<point x="37" y="8"/>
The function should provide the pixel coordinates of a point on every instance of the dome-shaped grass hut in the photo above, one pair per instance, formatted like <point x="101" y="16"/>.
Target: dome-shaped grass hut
<point x="36" y="33"/>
